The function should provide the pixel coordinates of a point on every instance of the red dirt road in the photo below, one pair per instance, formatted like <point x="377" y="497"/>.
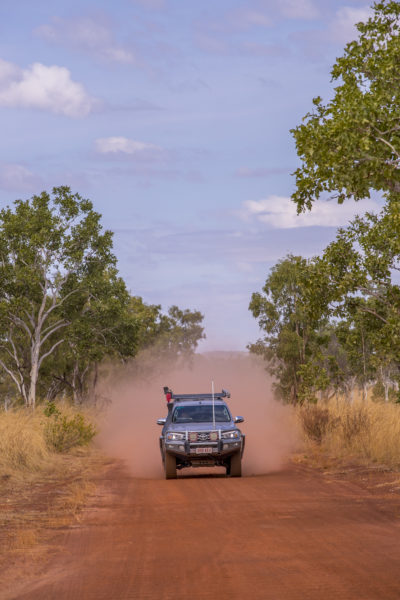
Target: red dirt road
<point x="297" y="534"/>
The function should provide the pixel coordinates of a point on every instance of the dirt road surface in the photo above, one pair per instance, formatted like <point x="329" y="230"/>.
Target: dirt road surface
<point x="296" y="534"/>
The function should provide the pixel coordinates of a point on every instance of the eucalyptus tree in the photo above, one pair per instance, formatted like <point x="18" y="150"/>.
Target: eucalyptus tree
<point x="364" y="265"/>
<point x="293" y="313"/>
<point x="351" y="144"/>
<point x="174" y="333"/>
<point x="51" y="248"/>
<point x="362" y="261"/>
<point x="101" y="326"/>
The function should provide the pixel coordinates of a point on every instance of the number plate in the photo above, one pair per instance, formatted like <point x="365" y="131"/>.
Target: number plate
<point x="204" y="450"/>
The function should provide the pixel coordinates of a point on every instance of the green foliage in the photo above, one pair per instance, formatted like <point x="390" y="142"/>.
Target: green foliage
<point x="379" y="395"/>
<point x="52" y="250"/>
<point x="313" y="378"/>
<point x="51" y="410"/>
<point x="333" y="323"/>
<point x="64" y="432"/>
<point x="293" y="311"/>
<point x="64" y="308"/>
<point x="176" y="333"/>
<point x="351" y="145"/>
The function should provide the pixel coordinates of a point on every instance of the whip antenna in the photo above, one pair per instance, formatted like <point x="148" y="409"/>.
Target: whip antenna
<point x="213" y="403"/>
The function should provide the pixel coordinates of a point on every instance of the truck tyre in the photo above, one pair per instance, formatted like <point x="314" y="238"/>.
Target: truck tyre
<point x="235" y="469"/>
<point x="170" y="466"/>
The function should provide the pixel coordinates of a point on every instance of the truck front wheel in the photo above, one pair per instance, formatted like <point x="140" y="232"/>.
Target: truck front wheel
<point x="170" y="466"/>
<point x="235" y="469"/>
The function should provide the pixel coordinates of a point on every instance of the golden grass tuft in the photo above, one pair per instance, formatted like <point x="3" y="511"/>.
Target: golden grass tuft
<point x="22" y="443"/>
<point x="76" y="496"/>
<point x="365" y="430"/>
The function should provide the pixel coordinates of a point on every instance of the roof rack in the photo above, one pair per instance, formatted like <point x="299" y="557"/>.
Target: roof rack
<point x="178" y="397"/>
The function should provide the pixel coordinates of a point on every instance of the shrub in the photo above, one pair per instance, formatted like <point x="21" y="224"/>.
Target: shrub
<point x="315" y="421"/>
<point x="63" y="431"/>
<point x="354" y="422"/>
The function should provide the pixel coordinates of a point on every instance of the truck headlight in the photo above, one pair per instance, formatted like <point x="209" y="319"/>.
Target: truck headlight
<point x="230" y="435"/>
<point x="175" y="436"/>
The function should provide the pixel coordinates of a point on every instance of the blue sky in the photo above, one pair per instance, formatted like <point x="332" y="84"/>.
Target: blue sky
<point x="173" y="117"/>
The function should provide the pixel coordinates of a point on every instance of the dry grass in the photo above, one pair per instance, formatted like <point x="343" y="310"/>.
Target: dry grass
<point x="23" y="446"/>
<point x="75" y="497"/>
<point x="41" y="490"/>
<point x="368" y="431"/>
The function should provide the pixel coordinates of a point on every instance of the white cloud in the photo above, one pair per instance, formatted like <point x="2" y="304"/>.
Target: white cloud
<point x="123" y="145"/>
<point x="8" y="72"/>
<point x="17" y="178"/>
<point x="280" y="212"/>
<point x="47" y="88"/>
<point x="343" y="28"/>
<point x="89" y="34"/>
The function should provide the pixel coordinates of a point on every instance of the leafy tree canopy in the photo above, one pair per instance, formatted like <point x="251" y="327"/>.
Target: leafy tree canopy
<point x="351" y="145"/>
<point x="292" y="312"/>
<point x="52" y="248"/>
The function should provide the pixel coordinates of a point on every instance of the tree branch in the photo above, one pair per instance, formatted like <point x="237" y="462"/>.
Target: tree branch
<point x="58" y="304"/>
<point x="53" y="329"/>
<point x="18" y="321"/>
<point x="30" y="317"/>
<point x="54" y="346"/>
<point x="393" y="149"/>
<point x="20" y="383"/>
<point x="373" y="312"/>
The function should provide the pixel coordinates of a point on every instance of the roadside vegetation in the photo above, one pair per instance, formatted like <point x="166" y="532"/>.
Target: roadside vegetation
<point x="65" y="313"/>
<point x="64" y="309"/>
<point x="331" y="323"/>
<point x="47" y="473"/>
<point x="366" y="432"/>
<point x="35" y="444"/>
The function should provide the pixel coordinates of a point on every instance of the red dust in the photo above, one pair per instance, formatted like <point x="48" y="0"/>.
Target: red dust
<point x="130" y="431"/>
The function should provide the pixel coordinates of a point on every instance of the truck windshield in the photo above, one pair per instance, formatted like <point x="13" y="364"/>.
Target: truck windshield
<point x="200" y="414"/>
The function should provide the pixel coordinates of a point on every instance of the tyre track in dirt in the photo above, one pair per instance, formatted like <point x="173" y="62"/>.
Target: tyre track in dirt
<point x="292" y="535"/>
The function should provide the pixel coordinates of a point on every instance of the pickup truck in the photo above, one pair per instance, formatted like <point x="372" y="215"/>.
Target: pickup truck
<point x="199" y="431"/>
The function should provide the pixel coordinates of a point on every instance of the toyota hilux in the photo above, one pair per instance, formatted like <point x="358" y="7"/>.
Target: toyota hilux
<point x="199" y="431"/>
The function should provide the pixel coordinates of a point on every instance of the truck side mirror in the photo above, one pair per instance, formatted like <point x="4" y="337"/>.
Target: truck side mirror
<point x="161" y="421"/>
<point x="238" y="420"/>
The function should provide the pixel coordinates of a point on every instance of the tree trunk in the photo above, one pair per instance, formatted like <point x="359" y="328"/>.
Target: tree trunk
<point x="22" y="391"/>
<point x="365" y="392"/>
<point x="33" y="374"/>
<point x="386" y="386"/>
<point x="75" y="384"/>
<point x="365" y="389"/>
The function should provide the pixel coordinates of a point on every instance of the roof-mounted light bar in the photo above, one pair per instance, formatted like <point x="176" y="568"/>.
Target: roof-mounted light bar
<point x="171" y="396"/>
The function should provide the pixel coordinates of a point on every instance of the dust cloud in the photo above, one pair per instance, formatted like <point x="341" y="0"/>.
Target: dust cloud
<point x="129" y="430"/>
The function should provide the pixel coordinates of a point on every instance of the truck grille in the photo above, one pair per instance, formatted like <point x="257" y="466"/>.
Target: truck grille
<point x="203" y="436"/>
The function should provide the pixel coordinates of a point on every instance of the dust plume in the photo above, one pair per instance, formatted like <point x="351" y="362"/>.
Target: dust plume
<point x="130" y="431"/>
